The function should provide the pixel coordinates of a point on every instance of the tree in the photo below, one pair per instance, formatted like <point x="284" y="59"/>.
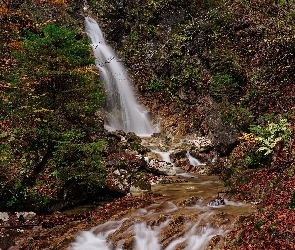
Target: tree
<point x="50" y="140"/>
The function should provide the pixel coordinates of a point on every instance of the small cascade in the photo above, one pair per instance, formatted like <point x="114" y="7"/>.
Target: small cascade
<point x="122" y="110"/>
<point x="189" y="213"/>
<point x="194" y="161"/>
<point x="149" y="229"/>
<point x="184" y="215"/>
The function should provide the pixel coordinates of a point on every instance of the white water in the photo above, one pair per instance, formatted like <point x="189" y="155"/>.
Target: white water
<point x="195" y="235"/>
<point x="193" y="161"/>
<point x="122" y="110"/>
<point x="165" y="156"/>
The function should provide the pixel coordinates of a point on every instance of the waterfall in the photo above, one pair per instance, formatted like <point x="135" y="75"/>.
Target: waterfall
<point x="122" y="111"/>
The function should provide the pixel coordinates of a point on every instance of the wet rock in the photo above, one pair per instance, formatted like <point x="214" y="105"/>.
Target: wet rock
<point x="140" y="185"/>
<point x="122" y="233"/>
<point x="124" y="182"/>
<point x="172" y="231"/>
<point x="218" y="201"/>
<point x="189" y="201"/>
<point x="160" y="180"/>
<point x="189" y="168"/>
<point x="129" y="244"/>
<point x="118" y="181"/>
<point x="163" y="147"/>
<point x="132" y="137"/>
<point x="159" y="167"/>
<point x="182" y="163"/>
<point x="207" y="157"/>
<point x="200" y="144"/>
<point x="125" y="173"/>
<point x="154" y="155"/>
<point x="178" y="154"/>
<point x="125" y="161"/>
<point x="157" y="135"/>
<point x="119" y="141"/>
<point x="157" y="222"/>
<point x="115" y="136"/>
<point x="220" y="219"/>
<point x="202" y="169"/>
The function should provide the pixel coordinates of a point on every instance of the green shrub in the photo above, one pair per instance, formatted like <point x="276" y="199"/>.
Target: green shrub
<point x="223" y="87"/>
<point x="256" y="150"/>
<point x="269" y="136"/>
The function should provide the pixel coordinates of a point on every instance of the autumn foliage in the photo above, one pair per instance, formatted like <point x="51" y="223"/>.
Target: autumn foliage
<point x="186" y="57"/>
<point x="55" y="2"/>
<point x="50" y="94"/>
<point x="271" y="188"/>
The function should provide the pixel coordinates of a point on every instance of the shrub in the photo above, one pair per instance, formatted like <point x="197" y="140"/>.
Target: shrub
<point x="271" y="135"/>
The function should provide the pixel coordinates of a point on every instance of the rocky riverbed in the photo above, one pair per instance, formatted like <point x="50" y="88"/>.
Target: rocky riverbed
<point x="185" y="209"/>
<point x="173" y="202"/>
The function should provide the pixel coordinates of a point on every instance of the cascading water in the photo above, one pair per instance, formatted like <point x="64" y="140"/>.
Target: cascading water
<point x="170" y="223"/>
<point x="183" y="217"/>
<point x="122" y="110"/>
<point x="154" y="235"/>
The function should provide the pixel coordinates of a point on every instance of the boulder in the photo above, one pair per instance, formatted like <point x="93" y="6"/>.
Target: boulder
<point x="159" y="167"/>
<point x="118" y="181"/>
<point x="178" y="154"/>
<point x="200" y="144"/>
<point x="125" y="161"/>
<point x="182" y="163"/>
<point x="222" y="135"/>
<point x="218" y="201"/>
<point x="129" y="142"/>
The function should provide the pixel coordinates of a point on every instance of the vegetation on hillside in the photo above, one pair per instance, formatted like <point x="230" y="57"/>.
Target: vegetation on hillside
<point x="261" y="171"/>
<point x="239" y="53"/>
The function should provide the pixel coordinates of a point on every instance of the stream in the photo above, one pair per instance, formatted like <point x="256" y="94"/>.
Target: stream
<point x="187" y="214"/>
<point x="182" y="218"/>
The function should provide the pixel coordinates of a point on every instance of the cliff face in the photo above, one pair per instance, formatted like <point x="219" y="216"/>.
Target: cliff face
<point x="192" y="63"/>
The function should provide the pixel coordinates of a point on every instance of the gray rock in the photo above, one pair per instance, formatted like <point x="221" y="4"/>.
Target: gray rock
<point x="160" y="167"/>
<point x="218" y="201"/>
<point x="178" y="154"/>
<point x="4" y="216"/>
<point x="223" y="136"/>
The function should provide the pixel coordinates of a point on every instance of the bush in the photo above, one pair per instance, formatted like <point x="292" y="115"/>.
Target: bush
<point x="256" y="151"/>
